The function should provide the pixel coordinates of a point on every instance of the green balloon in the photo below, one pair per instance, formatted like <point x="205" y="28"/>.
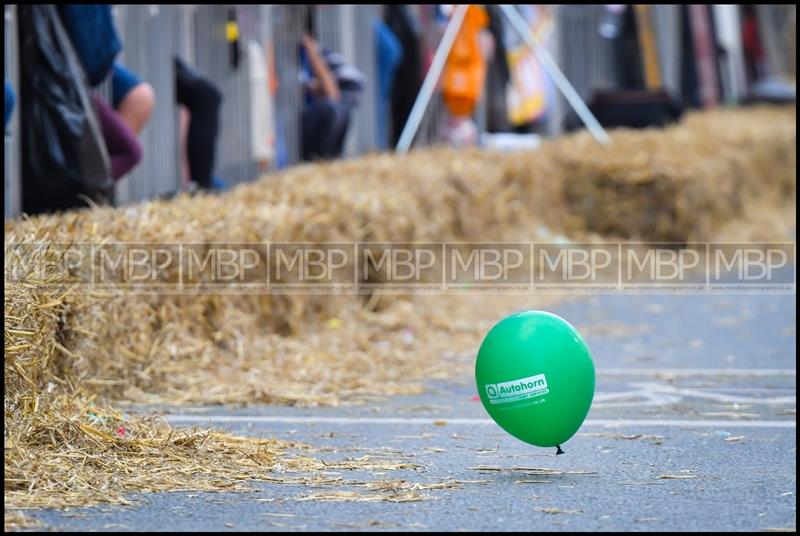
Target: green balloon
<point x="535" y="377"/>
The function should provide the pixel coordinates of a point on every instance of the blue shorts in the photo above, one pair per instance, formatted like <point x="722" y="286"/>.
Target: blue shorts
<point x="122" y="81"/>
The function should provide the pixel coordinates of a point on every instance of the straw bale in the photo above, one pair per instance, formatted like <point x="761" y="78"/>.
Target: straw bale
<point x="68" y="353"/>
<point x="679" y="184"/>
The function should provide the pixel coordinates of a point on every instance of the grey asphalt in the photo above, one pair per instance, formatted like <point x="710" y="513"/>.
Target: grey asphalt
<point x="731" y="436"/>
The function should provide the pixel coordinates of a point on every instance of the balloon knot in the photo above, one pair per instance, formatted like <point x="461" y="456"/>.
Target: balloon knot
<point x="559" y="451"/>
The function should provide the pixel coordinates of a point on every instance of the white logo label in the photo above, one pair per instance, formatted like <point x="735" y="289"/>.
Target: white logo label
<point x="503" y="393"/>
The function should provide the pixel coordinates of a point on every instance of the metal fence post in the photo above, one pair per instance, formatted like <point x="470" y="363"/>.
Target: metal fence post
<point x="287" y="26"/>
<point x="667" y="26"/>
<point x="585" y="57"/>
<point x="11" y="155"/>
<point x="150" y="40"/>
<point x="213" y="60"/>
<point x="366" y="61"/>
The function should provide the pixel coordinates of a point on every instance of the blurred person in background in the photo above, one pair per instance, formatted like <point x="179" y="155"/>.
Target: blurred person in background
<point x="331" y="90"/>
<point x="409" y="73"/>
<point x="200" y="101"/>
<point x="132" y="98"/>
<point x="124" y="149"/>
<point x="390" y="56"/>
<point x="464" y="75"/>
<point x="75" y="144"/>
<point x="96" y="40"/>
<point x="97" y="43"/>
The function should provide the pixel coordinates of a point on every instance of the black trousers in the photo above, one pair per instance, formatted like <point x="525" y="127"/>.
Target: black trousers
<point x="324" y="128"/>
<point x="203" y="101"/>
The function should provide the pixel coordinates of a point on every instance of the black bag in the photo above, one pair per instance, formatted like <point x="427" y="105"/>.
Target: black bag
<point x="64" y="154"/>
<point x="629" y="108"/>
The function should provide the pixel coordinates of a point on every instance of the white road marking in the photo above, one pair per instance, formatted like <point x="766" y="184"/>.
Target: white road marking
<point x="695" y="372"/>
<point x="644" y="394"/>
<point x="661" y="394"/>
<point x="648" y="394"/>
<point x="282" y="419"/>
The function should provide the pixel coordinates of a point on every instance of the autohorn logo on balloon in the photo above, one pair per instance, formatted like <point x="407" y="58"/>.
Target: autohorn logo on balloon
<point x="516" y="390"/>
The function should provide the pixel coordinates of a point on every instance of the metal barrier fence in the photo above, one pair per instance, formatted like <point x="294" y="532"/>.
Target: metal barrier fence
<point x="589" y="60"/>
<point x="287" y="25"/>
<point x="213" y="59"/>
<point x="150" y="40"/>
<point x="777" y="25"/>
<point x="431" y="33"/>
<point x="11" y="153"/>
<point x="586" y="58"/>
<point x="667" y="26"/>
<point x="260" y="116"/>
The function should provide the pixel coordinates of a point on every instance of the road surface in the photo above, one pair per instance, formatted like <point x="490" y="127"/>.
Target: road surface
<point x="693" y="427"/>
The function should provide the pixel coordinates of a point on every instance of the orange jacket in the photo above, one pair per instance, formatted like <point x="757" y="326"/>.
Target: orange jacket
<point x="465" y="69"/>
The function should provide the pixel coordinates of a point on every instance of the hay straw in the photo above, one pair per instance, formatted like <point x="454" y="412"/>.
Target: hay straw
<point x="681" y="183"/>
<point x="68" y="352"/>
<point x="531" y="471"/>
<point x="676" y="184"/>
<point x="553" y="510"/>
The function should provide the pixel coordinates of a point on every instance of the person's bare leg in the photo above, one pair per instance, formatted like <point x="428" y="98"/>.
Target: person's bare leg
<point x="136" y="107"/>
<point x="183" y="131"/>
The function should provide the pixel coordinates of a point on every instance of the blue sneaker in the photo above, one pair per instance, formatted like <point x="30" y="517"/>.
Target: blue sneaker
<point x="219" y="184"/>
